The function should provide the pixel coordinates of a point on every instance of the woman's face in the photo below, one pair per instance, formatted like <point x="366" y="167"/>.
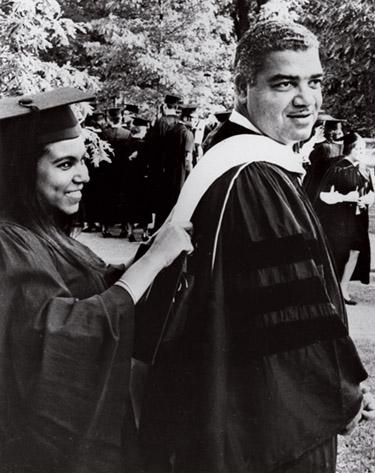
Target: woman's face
<point x="61" y="175"/>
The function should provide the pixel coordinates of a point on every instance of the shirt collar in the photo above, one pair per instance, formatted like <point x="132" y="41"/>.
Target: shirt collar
<point x="293" y="162"/>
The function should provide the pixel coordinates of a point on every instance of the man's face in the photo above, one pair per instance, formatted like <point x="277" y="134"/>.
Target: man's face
<point x="285" y="101"/>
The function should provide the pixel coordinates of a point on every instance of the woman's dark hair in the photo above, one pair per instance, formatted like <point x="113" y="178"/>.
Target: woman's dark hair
<point x="19" y="202"/>
<point x="350" y="141"/>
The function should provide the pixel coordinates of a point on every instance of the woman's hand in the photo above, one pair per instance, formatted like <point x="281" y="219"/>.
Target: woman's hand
<point x="172" y="239"/>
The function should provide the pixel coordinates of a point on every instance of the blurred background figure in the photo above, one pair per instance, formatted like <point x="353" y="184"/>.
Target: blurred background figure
<point x="140" y="214"/>
<point x="92" y="196"/>
<point x="166" y="147"/>
<point x="116" y="181"/>
<point x="211" y="131"/>
<point x="130" y="112"/>
<point x="325" y="153"/>
<point x="187" y="132"/>
<point x="342" y="203"/>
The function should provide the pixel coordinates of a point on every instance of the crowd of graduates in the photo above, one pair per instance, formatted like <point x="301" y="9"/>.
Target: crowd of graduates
<point x="149" y="164"/>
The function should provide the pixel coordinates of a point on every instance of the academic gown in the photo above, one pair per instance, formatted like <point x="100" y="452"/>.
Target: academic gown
<point x="346" y="225"/>
<point x="323" y="156"/>
<point x="264" y="370"/>
<point x="66" y="339"/>
<point x="167" y="145"/>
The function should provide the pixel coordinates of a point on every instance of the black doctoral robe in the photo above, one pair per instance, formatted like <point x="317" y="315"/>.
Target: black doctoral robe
<point x="264" y="370"/>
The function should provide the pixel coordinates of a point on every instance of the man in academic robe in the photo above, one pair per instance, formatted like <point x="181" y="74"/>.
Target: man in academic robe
<point x="256" y="373"/>
<point x="119" y="181"/>
<point x="167" y="143"/>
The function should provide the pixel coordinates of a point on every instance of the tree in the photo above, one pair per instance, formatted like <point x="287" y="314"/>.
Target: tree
<point x="142" y="49"/>
<point x="347" y="34"/>
<point x="29" y="30"/>
<point x="34" y="45"/>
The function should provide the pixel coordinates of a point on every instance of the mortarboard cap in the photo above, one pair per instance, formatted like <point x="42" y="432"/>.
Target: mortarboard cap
<point x="55" y="118"/>
<point x="114" y="112"/>
<point x="172" y="99"/>
<point x="98" y="114"/>
<point x="222" y="116"/>
<point x="132" y="108"/>
<point x="188" y="109"/>
<point x="326" y="117"/>
<point x="139" y="121"/>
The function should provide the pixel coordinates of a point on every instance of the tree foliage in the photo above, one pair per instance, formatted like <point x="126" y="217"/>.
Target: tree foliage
<point x="35" y="42"/>
<point x="142" y="49"/>
<point x="29" y="30"/>
<point x="347" y="35"/>
<point x="138" y="50"/>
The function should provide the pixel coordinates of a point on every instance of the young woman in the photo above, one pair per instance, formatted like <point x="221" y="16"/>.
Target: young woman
<point x="342" y="205"/>
<point x="66" y="318"/>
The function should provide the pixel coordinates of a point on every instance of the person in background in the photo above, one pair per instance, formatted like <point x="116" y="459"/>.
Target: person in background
<point x="187" y="130"/>
<point x="92" y="193"/>
<point x="221" y="117"/>
<point x="259" y="373"/>
<point x="66" y="317"/>
<point x="324" y="154"/>
<point x="140" y="204"/>
<point x="117" y="177"/>
<point x="130" y="112"/>
<point x="166" y="145"/>
<point x="343" y="199"/>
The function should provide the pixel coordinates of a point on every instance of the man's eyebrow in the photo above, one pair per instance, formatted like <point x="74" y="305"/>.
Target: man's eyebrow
<point x="281" y="77"/>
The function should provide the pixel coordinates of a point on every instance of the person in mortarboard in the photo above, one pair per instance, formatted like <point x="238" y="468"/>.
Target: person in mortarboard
<point x="137" y="189"/>
<point x="188" y="119"/>
<point x="325" y="153"/>
<point x="92" y="198"/>
<point x="119" y="179"/>
<point x="129" y="114"/>
<point x="66" y="317"/>
<point x="167" y="144"/>
<point x="221" y="118"/>
<point x="342" y="201"/>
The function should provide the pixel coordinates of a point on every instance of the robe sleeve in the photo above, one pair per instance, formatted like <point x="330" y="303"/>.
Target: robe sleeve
<point x="67" y="359"/>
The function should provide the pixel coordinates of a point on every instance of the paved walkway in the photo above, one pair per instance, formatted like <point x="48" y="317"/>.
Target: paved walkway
<point x="111" y="250"/>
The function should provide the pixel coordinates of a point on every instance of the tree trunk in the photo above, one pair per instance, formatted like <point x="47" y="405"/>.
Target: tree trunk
<point x="241" y="16"/>
<point x="242" y="11"/>
<point x="260" y="3"/>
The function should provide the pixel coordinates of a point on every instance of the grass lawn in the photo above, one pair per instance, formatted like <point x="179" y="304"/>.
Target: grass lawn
<point x="357" y="452"/>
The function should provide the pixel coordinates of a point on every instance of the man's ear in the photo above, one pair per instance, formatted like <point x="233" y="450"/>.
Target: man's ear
<point x="241" y="88"/>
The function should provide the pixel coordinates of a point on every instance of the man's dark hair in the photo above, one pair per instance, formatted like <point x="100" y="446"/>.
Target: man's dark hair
<point x="266" y="37"/>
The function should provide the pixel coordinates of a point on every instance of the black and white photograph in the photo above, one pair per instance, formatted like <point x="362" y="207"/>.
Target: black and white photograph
<point x="187" y="236"/>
